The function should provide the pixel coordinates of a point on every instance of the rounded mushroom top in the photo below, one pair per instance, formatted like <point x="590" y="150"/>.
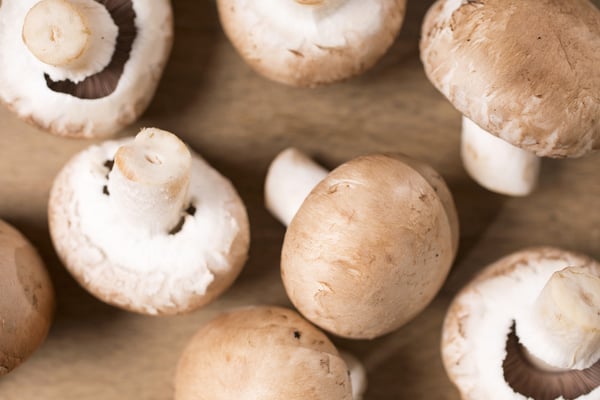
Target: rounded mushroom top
<point x="487" y="324"/>
<point x="371" y="246"/>
<point x="266" y="353"/>
<point x="26" y="299"/>
<point x="523" y="70"/>
<point x="82" y="68"/>
<point x="147" y="225"/>
<point x="310" y="43"/>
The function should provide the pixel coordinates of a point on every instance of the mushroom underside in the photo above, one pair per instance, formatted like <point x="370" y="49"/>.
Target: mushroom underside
<point x="533" y="382"/>
<point x="105" y="82"/>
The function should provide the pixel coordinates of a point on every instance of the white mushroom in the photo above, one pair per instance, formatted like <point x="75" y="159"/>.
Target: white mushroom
<point x="148" y="226"/>
<point x="266" y="353"/>
<point x="527" y="327"/>
<point x="82" y="68"/>
<point x="311" y="42"/>
<point x="525" y="71"/>
<point x="368" y="246"/>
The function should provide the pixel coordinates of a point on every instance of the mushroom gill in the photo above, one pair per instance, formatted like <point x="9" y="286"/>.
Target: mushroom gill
<point x="105" y="82"/>
<point x="533" y="382"/>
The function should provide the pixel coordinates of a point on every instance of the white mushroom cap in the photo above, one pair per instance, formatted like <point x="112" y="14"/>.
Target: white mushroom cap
<point x="310" y="43"/>
<point x="266" y="353"/>
<point x="161" y="245"/>
<point x="95" y="99"/>
<point x="371" y="246"/>
<point x="26" y="299"/>
<point x="523" y="70"/>
<point x="481" y="351"/>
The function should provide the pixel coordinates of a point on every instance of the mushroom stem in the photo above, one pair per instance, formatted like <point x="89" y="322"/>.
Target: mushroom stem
<point x="71" y="34"/>
<point x="358" y="375"/>
<point x="291" y="177"/>
<point x="496" y="164"/>
<point x="148" y="185"/>
<point x="562" y="327"/>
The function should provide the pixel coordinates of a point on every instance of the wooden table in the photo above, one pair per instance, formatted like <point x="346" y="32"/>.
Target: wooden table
<point x="239" y="121"/>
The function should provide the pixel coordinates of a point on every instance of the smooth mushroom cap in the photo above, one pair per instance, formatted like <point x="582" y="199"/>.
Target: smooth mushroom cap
<point x="127" y="265"/>
<point x="315" y="43"/>
<point x="479" y="330"/>
<point x="266" y="353"/>
<point x="371" y="246"/>
<point x="26" y="299"/>
<point x="523" y="70"/>
<point x="41" y="94"/>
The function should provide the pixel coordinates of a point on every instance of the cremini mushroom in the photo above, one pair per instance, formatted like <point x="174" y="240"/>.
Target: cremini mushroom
<point x="266" y="353"/>
<point x="527" y="327"/>
<point x="82" y="68"/>
<point x="525" y="76"/>
<point x="311" y="42"/>
<point x="26" y="299"/>
<point x="146" y="225"/>
<point x="368" y="245"/>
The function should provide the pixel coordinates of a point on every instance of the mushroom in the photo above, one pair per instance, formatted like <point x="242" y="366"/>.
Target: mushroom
<point x="524" y="74"/>
<point x="82" y="68"/>
<point x="311" y="42"/>
<point x="369" y="247"/>
<point x="146" y="225"/>
<point x="266" y="353"/>
<point x="527" y="327"/>
<point x="26" y="299"/>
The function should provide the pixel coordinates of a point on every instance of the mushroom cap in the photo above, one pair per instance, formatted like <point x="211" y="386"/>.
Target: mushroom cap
<point x="124" y="266"/>
<point x="266" y="353"/>
<point x="523" y="70"/>
<point x="24" y="80"/>
<point x="479" y="320"/>
<point x="26" y="299"/>
<point x="311" y="45"/>
<point x="371" y="246"/>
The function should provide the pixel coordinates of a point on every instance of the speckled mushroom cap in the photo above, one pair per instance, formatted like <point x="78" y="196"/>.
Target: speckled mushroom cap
<point x="266" y="353"/>
<point x="371" y="246"/>
<point x="121" y="262"/>
<point x="480" y="351"/>
<point x="98" y="104"/>
<point x="523" y="70"/>
<point x="26" y="299"/>
<point x="311" y="43"/>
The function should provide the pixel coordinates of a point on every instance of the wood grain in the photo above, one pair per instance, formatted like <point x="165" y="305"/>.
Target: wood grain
<point x="239" y="121"/>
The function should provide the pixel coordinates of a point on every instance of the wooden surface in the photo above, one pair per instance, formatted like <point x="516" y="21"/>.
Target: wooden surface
<point x="239" y="121"/>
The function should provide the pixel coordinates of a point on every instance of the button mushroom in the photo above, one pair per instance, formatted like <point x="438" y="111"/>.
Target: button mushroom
<point x="148" y="226"/>
<point x="524" y="74"/>
<point x="26" y="299"/>
<point x="527" y="327"/>
<point x="369" y="247"/>
<point x="82" y="68"/>
<point x="311" y="42"/>
<point x="266" y="353"/>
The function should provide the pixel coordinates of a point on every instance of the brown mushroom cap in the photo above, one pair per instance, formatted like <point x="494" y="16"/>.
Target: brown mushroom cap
<point x="371" y="246"/>
<point x="266" y="353"/>
<point x="523" y="70"/>
<point x="309" y="44"/>
<point x="26" y="299"/>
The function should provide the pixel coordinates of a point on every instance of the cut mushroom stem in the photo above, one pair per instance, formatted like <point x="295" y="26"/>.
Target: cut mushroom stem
<point x="291" y="177"/>
<point x="71" y="34"/>
<point x="149" y="182"/>
<point x="496" y="164"/>
<point x="358" y="375"/>
<point x="562" y="328"/>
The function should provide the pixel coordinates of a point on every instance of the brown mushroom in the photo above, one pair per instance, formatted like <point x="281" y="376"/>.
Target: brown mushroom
<point x="26" y="299"/>
<point x="266" y="353"/>
<point x="524" y="73"/>
<point x="311" y="42"/>
<point x="369" y="247"/>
